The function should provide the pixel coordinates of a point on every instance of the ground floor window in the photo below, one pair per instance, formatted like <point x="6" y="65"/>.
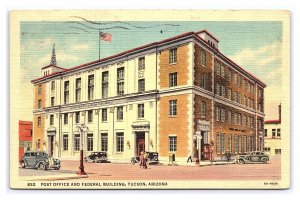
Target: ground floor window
<point x="244" y="144"/>
<point x="77" y="142"/>
<point x="65" y="142"/>
<point x="220" y="143"/>
<point x="277" y="151"/>
<point x="120" y="142"/>
<point x="172" y="143"/>
<point x="236" y="144"/>
<point x="90" y="142"/>
<point x="267" y="149"/>
<point x="229" y="145"/>
<point x="104" y="141"/>
<point x="240" y="143"/>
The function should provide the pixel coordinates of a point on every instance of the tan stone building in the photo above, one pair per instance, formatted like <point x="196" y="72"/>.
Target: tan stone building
<point x="178" y="95"/>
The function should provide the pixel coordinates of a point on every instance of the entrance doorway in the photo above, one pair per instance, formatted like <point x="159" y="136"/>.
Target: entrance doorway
<point x="51" y="145"/>
<point x="140" y="142"/>
<point x="205" y="147"/>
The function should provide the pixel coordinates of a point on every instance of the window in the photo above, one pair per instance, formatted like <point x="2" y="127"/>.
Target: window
<point x="172" y="143"/>
<point x="120" y="113"/>
<point x="104" y="84"/>
<point x="273" y="133"/>
<point x="39" y="104"/>
<point x="220" y="143"/>
<point x="77" y="117"/>
<point x="90" y="116"/>
<point x="65" y="142"/>
<point x="235" y="119"/>
<point x="244" y="144"/>
<point x="222" y="115"/>
<point x="90" y="142"/>
<point x="240" y="118"/>
<point x="277" y="151"/>
<point x="229" y="145"/>
<point x="120" y="81"/>
<point x="90" y="87"/>
<point x="267" y="149"/>
<point x="203" y="83"/>
<point x="236" y="78"/>
<point x="173" y="79"/>
<point x="249" y="121"/>
<point x="223" y="91"/>
<point x="218" y="70"/>
<point x="38" y="146"/>
<point x="278" y="132"/>
<point x="266" y="132"/>
<point x="203" y="109"/>
<point x="140" y="110"/>
<point x="218" y="114"/>
<point x="120" y="142"/>
<point x="104" y="115"/>
<point x="66" y="118"/>
<point x="245" y="84"/>
<point x="39" y="89"/>
<point x="245" y="120"/>
<point x="249" y="87"/>
<point x="173" y="107"/>
<point x="39" y="121"/>
<point x="223" y="71"/>
<point x="52" y="101"/>
<point x="203" y="58"/>
<point x="245" y="100"/>
<point x="235" y="96"/>
<point x="259" y="107"/>
<point x="229" y="75"/>
<point x="236" y="144"/>
<point x="229" y="94"/>
<point x="104" y="142"/>
<point x="78" y="90"/>
<point x="252" y="122"/>
<point x="218" y="89"/>
<point x="173" y="56"/>
<point x="77" y="142"/>
<point x="51" y="120"/>
<point x="141" y="86"/>
<point x="240" y="143"/>
<point x="66" y="92"/>
<point x="229" y="117"/>
<point x="52" y="85"/>
<point x="142" y="63"/>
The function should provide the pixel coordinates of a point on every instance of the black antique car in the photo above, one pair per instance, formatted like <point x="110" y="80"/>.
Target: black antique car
<point x="253" y="157"/>
<point x="97" y="157"/>
<point x="39" y="160"/>
<point x="152" y="158"/>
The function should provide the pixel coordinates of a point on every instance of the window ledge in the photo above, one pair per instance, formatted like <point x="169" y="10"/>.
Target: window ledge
<point x="175" y="63"/>
<point x="172" y="116"/>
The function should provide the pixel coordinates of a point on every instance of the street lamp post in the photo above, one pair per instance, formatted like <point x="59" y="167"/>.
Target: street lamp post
<point x="81" y="129"/>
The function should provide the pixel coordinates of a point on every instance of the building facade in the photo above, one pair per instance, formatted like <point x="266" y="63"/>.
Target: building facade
<point x="178" y="96"/>
<point x="273" y="136"/>
<point x="25" y="137"/>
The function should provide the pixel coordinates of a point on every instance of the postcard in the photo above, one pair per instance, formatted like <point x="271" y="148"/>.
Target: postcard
<point x="150" y="99"/>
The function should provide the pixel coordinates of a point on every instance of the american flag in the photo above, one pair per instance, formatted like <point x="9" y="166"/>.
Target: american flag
<point x="106" y="37"/>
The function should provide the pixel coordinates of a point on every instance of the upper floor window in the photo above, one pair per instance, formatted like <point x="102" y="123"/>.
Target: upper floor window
<point x="39" y="104"/>
<point x="203" y="82"/>
<point x="218" y="92"/>
<point x="173" y="79"/>
<point x="104" y="84"/>
<point x="39" y="89"/>
<point x="66" y="92"/>
<point x="66" y="118"/>
<point x="104" y="114"/>
<point x="142" y="63"/>
<point x="218" y="114"/>
<point x="223" y="71"/>
<point x="52" y="85"/>
<point x="51" y="120"/>
<point x="141" y="85"/>
<point x="203" y="58"/>
<point x="173" y="56"/>
<point x="278" y="132"/>
<point x="236" y="78"/>
<point x="90" y="87"/>
<point x="90" y="116"/>
<point x="223" y="91"/>
<point x="120" y="81"/>
<point x="39" y="123"/>
<point x="52" y="101"/>
<point x="266" y="132"/>
<point x="78" y="89"/>
<point x="140" y="110"/>
<point x="229" y="93"/>
<point x="222" y="115"/>
<point x="273" y="133"/>
<point x="203" y="109"/>
<point x="229" y="75"/>
<point x="77" y="117"/>
<point x="218" y="68"/>
<point x="229" y="117"/>
<point x="245" y="120"/>
<point x="245" y="84"/>
<point x="173" y="107"/>
<point x="120" y="113"/>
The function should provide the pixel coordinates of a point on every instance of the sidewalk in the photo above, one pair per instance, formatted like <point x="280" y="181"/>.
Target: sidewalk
<point x="202" y="163"/>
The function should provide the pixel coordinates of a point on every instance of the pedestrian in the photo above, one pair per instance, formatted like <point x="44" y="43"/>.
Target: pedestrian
<point x="190" y="156"/>
<point x="145" y="160"/>
<point x="227" y="155"/>
<point x="141" y="159"/>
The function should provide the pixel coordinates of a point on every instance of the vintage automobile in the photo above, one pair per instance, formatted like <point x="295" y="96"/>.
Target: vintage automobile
<point x="253" y="157"/>
<point x="39" y="160"/>
<point x="97" y="157"/>
<point x="152" y="158"/>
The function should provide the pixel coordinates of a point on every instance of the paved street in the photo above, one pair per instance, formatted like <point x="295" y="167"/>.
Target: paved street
<point x="114" y="171"/>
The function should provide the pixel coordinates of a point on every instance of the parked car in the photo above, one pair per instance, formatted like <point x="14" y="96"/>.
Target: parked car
<point x="253" y="157"/>
<point x="39" y="160"/>
<point x="152" y="158"/>
<point x="98" y="157"/>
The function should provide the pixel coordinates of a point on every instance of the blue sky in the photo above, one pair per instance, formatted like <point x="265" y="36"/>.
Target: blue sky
<point x="256" y="46"/>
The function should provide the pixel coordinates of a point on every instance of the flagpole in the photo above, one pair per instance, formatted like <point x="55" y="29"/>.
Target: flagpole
<point x="99" y="43"/>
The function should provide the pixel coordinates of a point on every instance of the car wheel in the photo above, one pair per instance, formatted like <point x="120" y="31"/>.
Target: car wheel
<point x="41" y="166"/>
<point x="57" y="168"/>
<point x="241" y="161"/>
<point x="132" y="162"/>
<point x="264" y="160"/>
<point x="23" y="164"/>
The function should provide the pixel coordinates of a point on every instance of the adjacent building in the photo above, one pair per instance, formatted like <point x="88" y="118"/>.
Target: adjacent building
<point x="25" y="137"/>
<point x="273" y="135"/>
<point x="178" y="95"/>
